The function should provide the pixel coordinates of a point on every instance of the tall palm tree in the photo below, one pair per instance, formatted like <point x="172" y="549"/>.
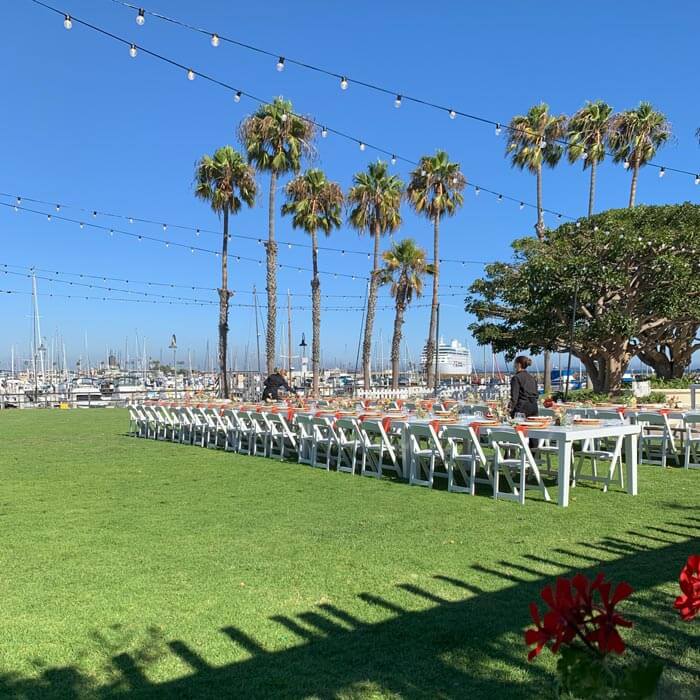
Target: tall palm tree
<point x="587" y="134"/>
<point x="635" y="137"/>
<point x="375" y="201"/>
<point x="435" y="190"/>
<point x="404" y="267"/>
<point x="226" y="182"/>
<point x="315" y="204"/>
<point x="532" y="143"/>
<point x="275" y="140"/>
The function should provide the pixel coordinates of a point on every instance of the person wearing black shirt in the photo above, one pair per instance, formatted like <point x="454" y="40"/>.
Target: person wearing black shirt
<point x="523" y="389"/>
<point x="274" y="383"/>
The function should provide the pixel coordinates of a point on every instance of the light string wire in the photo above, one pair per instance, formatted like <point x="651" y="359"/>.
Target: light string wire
<point x="168" y="243"/>
<point x="399" y="96"/>
<point x="19" y="198"/>
<point x="239" y="93"/>
<point x="105" y="278"/>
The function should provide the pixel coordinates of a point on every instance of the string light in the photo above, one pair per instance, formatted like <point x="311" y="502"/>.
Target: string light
<point x="362" y="146"/>
<point x="500" y="197"/>
<point x="280" y="64"/>
<point x="393" y="160"/>
<point x="283" y="116"/>
<point x="324" y="132"/>
<point x="141" y="18"/>
<point x="58" y="207"/>
<point x="343" y="83"/>
<point x="477" y="191"/>
<point x="132" y="51"/>
<point x="131" y="221"/>
<point x="82" y="225"/>
<point x="397" y="101"/>
<point x="498" y="129"/>
<point x="522" y="205"/>
<point x="626" y="164"/>
<point x="662" y="172"/>
<point x="48" y="217"/>
<point x="697" y="179"/>
<point x="67" y="22"/>
<point x="214" y="40"/>
<point x="190" y="74"/>
<point x="543" y="143"/>
<point x="453" y="114"/>
<point x="237" y="96"/>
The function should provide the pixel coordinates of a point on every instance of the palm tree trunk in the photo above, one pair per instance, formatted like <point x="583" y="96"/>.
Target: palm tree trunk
<point x="591" y="188"/>
<point x="430" y="345"/>
<point x="396" y="341"/>
<point x="371" y="310"/>
<point x="271" y="278"/>
<point x="633" y="187"/>
<point x="224" y="295"/>
<point x="539" y="227"/>
<point x="315" y="317"/>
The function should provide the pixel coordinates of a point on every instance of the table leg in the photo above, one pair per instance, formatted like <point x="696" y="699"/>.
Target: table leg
<point x="564" y="472"/>
<point x="631" y="463"/>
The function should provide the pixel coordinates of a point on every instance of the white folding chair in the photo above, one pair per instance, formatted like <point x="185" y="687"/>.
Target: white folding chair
<point x="595" y="451"/>
<point x="261" y="433"/>
<point x="425" y="454"/>
<point x="137" y="422"/>
<point x="233" y="433"/>
<point x="216" y="428"/>
<point x="511" y="454"/>
<point x="198" y="426"/>
<point x="282" y="440"/>
<point x="349" y="444"/>
<point x="464" y="454"/>
<point x="376" y="449"/>
<point x="306" y="440"/>
<point x="656" y="441"/>
<point x="325" y="443"/>
<point x="691" y="423"/>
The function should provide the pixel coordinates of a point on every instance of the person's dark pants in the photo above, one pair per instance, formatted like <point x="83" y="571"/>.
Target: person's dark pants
<point x="528" y="409"/>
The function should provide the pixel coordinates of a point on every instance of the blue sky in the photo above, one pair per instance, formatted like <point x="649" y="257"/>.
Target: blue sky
<point x="84" y="124"/>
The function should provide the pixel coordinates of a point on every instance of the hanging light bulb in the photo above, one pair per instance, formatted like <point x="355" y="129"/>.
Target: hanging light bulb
<point x="68" y="22"/>
<point x="141" y="18"/>
<point x="133" y="51"/>
<point x="82" y="225"/>
<point x="167" y="244"/>
<point x="662" y="172"/>
<point x="397" y="101"/>
<point x="324" y="132"/>
<point x="131" y="221"/>
<point x="626" y="164"/>
<point x="58" y="207"/>
<point x="500" y="197"/>
<point x="280" y="64"/>
<point x="215" y="40"/>
<point x="697" y="179"/>
<point x="192" y="251"/>
<point x="455" y="180"/>
<point x="48" y="217"/>
<point x="111" y="232"/>
<point x="94" y="214"/>
<point x="237" y="96"/>
<point x="584" y="155"/>
<point x="453" y="114"/>
<point x="343" y="83"/>
<point x="19" y="201"/>
<point x="393" y="161"/>
<point x="190" y="74"/>
<point x="283" y="116"/>
<point x="522" y="205"/>
<point x="498" y="130"/>
<point x="289" y="245"/>
<point x="423" y="173"/>
<point x="543" y="143"/>
<point x="362" y="146"/>
<point x="477" y="191"/>
<point x="196" y="233"/>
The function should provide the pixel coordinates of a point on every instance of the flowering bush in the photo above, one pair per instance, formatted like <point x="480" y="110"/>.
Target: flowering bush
<point x="581" y="624"/>
<point x="688" y="604"/>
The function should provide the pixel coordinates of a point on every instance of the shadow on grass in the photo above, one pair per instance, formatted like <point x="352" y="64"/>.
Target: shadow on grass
<point x="469" y="647"/>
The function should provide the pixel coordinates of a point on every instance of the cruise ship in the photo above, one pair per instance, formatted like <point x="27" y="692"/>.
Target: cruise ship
<point x="454" y="360"/>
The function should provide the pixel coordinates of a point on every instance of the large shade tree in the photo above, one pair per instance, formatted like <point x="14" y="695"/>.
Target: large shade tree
<point x="533" y="142"/>
<point x="635" y="137"/>
<point x="226" y="182"/>
<point x="404" y="267"/>
<point x="315" y="204"/>
<point x="276" y="140"/>
<point x="634" y="274"/>
<point x="375" y="201"/>
<point x="435" y="190"/>
<point x="587" y="135"/>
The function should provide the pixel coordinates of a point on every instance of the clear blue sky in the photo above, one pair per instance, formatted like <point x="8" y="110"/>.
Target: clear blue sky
<point x="82" y="123"/>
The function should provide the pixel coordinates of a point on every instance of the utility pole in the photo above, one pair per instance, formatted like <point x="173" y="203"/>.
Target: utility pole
<point x="173" y="347"/>
<point x="289" y="331"/>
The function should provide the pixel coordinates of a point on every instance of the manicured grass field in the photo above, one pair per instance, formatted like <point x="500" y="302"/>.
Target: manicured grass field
<point x="157" y="570"/>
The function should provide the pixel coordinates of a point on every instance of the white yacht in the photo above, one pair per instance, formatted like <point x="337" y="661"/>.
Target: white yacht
<point x="454" y="360"/>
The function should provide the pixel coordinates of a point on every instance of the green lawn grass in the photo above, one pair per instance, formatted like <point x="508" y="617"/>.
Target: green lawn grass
<point x="150" y="569"/>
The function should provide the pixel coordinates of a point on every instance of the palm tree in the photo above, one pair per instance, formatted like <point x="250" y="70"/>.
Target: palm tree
<point x="315" y="204"/>
<point x="587" y="134"/>
<point x="375" y="201"/>
<point x="532" y="143"/>
<point x="404" y="267"/>
<point x="435" y="190"/>
<point x="226" y="182"/>
<point x="635" y="137"/>
<point x="275" y="140"/>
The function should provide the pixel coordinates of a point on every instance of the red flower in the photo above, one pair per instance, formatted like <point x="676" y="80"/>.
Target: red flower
<point x="688" y="604"/>
<point x="573" y="613"/>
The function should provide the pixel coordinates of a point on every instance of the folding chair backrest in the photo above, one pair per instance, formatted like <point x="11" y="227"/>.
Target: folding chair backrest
<point x="609" y="415"/>
<point x="322" y="427"/>
<point x="549" y="412"/>
<point x="304" y="426"/>
<point x="347" y="429"/>
<point x="692" y="421"/>
<point x="656" y="419"/>
<point x="465" y="436"/>
<point x="421" y="434"/>
<point x="506" y="438"/>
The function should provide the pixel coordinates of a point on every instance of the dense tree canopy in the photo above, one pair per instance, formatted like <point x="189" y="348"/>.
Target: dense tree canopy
<point x="635" y="276"/>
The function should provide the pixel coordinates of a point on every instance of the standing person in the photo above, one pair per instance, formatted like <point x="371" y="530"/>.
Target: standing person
<point x="276" y="381"/>
<point x="523" y="389"/>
